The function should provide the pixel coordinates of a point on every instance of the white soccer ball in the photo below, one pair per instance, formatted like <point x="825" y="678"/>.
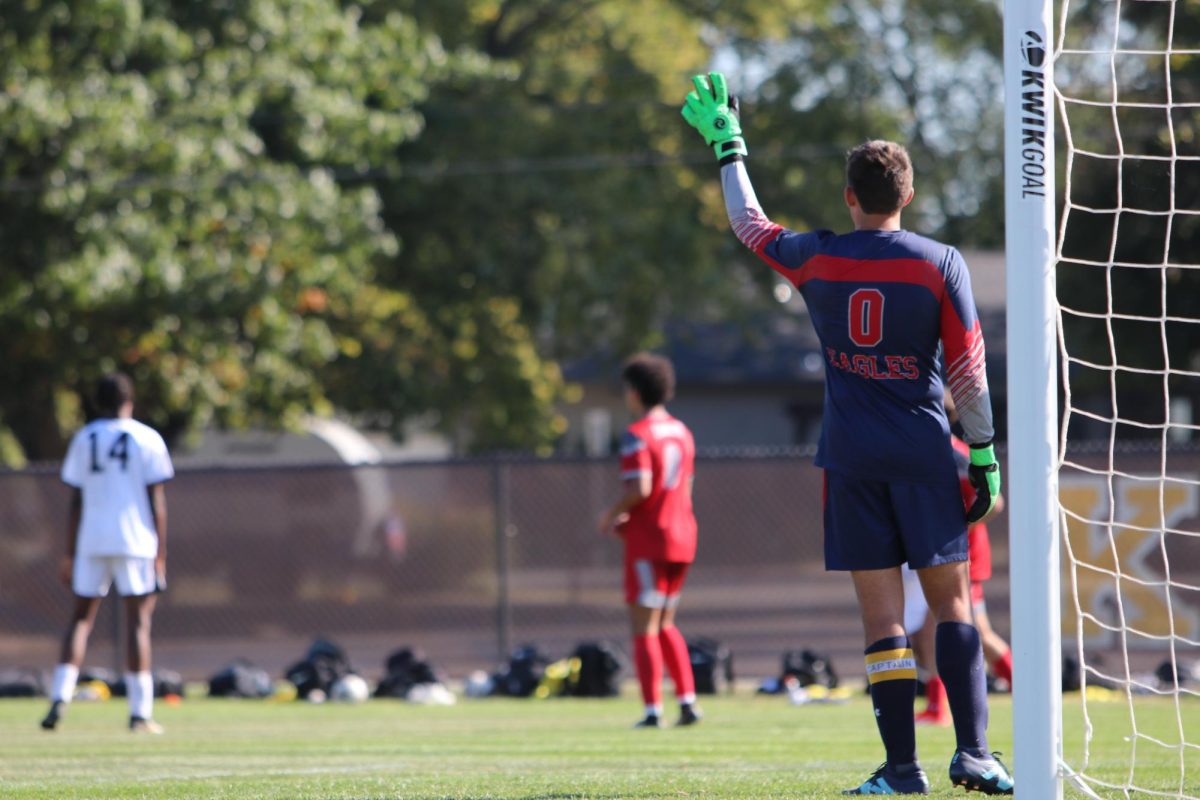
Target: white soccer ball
<point x="350" y="689"/>
<point x="430" y="694"/>
<point x="478" y="684"/>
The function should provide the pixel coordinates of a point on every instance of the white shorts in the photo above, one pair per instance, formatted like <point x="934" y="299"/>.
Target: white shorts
<point x="93" y="575"/>
<point x="916" y="609"/>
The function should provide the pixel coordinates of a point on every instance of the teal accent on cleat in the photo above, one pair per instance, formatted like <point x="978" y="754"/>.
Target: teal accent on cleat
<point x="986" y="774"/>
<point x="888" y="779"/>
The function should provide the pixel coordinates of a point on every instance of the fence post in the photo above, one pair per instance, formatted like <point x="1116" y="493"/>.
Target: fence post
<point x="501" y="502"/>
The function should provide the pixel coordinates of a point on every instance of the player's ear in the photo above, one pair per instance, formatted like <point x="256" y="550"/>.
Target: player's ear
<point x="850" y="197"/>
<point x="911" y="194"/>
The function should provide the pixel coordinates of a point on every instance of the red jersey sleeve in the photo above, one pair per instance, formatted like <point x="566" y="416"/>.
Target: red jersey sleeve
<point x="635" y="457"/>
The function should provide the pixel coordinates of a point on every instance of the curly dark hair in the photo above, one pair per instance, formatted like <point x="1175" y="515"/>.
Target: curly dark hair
<point x="881" y="176"/>
<point x="651" y="376"/>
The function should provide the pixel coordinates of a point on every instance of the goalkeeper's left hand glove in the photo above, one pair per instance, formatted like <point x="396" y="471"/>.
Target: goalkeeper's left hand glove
<point x="984" y="474"/>
<point x="710" y="111"/>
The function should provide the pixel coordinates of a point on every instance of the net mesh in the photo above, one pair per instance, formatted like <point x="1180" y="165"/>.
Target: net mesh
<point x="1127" y="89"/>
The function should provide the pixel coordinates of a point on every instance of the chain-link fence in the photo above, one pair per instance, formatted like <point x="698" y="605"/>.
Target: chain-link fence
<point x="468" y="559"/>
<point x="462" y="559"/>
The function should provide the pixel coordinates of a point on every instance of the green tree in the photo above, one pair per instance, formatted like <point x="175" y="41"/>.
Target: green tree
<point x="182" y="191"/>
<point x="569" y="182"/>
<point x="263" y="208"/>
<point x="923" y="72"/>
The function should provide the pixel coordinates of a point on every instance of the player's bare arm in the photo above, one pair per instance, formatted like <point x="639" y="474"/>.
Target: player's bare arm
<point x="73" y="515"/>
<point x="636" y="491"/>
<point x="158" y="507"/>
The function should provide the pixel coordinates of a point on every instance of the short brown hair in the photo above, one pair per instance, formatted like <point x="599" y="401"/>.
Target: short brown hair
<point x="651" y="376"/>
<point x="880" y="175"/>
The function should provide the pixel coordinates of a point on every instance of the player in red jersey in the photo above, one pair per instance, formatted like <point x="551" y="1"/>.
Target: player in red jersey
<point x="995" y="650"/>
<point x="654" y="516"/>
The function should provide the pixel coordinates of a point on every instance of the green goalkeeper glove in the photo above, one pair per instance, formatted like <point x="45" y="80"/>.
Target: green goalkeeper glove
<point x="711" y="112"/>
<point x="984" y="474"/>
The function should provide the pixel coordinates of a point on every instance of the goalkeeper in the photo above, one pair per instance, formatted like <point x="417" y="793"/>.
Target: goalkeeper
<point x="885" y="304"/>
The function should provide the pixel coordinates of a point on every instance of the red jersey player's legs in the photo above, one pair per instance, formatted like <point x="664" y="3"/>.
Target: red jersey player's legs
<point x="646" y="599"/>
<point x="654" y="584"/>
<point x="652" y="589"/>
<point x="674" y="645"/>
<point x="674" y="574"/>
<point x="645" y="584"/>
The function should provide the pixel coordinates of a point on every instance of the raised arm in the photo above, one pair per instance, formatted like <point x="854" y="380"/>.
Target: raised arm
<point x="714" y="114"/>
<point x="784" y="250"/>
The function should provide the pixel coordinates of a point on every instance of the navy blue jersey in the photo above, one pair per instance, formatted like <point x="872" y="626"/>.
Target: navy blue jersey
<point x="888" y="307"/>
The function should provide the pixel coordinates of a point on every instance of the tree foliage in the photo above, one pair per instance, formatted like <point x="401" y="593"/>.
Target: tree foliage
<point x="264" y="208"/>
<point x="183" y="200"/>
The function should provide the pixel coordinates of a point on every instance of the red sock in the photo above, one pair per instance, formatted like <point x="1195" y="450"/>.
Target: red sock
<point x="679" y="663"/>
<point x="647" y="655"/>
<point x="935" y="695"/>
<point x="1002" y="666"/>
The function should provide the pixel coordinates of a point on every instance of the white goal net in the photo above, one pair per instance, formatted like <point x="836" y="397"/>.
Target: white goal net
<point x="1126" y="90"/>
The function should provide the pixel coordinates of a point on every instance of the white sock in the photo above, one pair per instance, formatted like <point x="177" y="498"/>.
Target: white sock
<point x="146" y="704"/>
<point x="654" y="711"/>
<point x="140" y="688"/>
<point x="687" y="699"/>
<point x="133" y="692"/>
<point x="65" y="678"/>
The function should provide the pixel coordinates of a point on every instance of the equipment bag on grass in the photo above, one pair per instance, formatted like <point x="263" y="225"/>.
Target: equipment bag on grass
<point x="712" y="665"/>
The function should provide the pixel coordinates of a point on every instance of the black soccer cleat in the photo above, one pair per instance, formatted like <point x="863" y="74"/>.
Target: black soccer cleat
<point x="688" y="715"/>
<point x="50" y="721"/>
<point x="649" y="721"/>
<point x="985" y="774"/>
<point x="904" y="779"/>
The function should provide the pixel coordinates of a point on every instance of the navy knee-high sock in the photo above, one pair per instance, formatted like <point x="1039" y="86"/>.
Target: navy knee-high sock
<point x="892" y="673"/>
<point x="960" y="665"/>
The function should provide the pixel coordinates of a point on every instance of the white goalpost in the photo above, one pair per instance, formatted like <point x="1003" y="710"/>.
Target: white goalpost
<point x="1103" y="335"/>
<point x="1032" y="397"/>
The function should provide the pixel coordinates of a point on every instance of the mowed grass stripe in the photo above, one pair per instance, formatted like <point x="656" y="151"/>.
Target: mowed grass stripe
<point x="747" y="747"/>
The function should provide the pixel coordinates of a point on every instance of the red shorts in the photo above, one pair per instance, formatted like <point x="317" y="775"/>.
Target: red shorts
<point x="980" y="552"/>
<point x="654" y="584"/>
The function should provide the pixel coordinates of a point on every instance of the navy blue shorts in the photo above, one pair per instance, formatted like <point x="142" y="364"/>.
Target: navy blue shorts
<point x="879" y="524"/>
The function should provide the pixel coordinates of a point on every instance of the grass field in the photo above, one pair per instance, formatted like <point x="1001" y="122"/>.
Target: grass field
<point x="747" y="747"/>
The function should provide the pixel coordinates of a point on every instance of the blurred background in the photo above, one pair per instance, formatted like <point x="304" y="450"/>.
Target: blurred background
<point x="373" y="267"/>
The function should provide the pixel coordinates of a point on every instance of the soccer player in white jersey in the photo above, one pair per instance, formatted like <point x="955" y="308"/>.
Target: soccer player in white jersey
<point x="118" y="534"/>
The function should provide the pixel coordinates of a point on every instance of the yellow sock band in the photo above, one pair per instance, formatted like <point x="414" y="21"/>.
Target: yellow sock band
<point x="891" y="665"/>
